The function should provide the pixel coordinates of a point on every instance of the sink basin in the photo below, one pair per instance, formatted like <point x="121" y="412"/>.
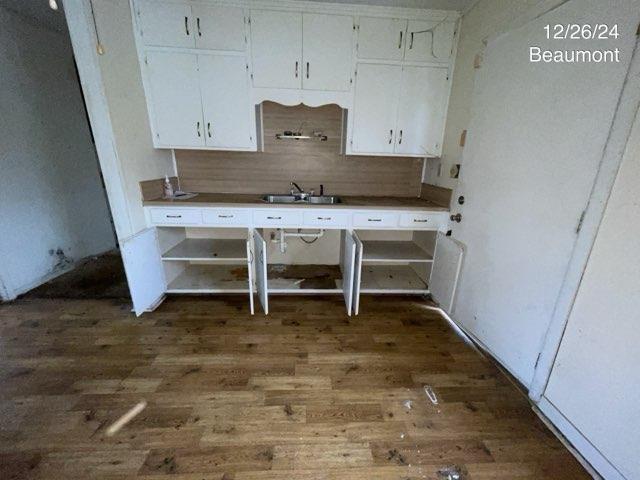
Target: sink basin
<point x="316" y="199"/>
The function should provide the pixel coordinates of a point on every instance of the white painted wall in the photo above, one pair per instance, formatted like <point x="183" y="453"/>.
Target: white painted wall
<point x="484" y="19"/>
<point x="595" y="382"/>
<point x="122" y="81"/>
<point x="51" y="197"/>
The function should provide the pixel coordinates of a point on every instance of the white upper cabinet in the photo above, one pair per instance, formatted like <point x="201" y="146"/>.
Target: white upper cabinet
<point x="429" y="41"/>
<point x="327" y="51"/>
<point x="421" y="110"/>
<point x="375" y="108"/>
<point x="219" y="27"/>
<point x="174" y="99"/>
<point x="276" y="48"/>
<point x="381" y="38"/>
<point x="166" y="24"/>
<point x="224" y="84"/>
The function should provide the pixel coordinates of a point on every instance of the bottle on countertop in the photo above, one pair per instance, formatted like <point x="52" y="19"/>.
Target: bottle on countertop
<point x="168" y="188"/>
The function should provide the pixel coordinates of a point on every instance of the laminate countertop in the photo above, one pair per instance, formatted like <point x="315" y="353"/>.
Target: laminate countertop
<point x="255" y="200"/>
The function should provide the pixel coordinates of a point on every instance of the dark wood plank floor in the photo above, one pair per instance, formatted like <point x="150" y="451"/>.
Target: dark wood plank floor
<point x="304" y="393"/>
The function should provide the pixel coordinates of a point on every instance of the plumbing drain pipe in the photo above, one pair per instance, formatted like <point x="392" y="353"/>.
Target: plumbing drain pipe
<point x="283" y="234"/>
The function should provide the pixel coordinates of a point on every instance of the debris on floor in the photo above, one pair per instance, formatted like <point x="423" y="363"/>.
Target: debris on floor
<point x="408" y="404"/>
<point x="126" y="418"/>
<point x="431" y="394"/>
<point x="452" y="472"/>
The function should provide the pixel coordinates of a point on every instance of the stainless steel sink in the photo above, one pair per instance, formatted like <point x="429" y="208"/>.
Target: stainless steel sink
<point x="315" y="199"/>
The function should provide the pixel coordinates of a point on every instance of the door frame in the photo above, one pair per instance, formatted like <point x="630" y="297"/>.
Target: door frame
<point x="619" y="133"/>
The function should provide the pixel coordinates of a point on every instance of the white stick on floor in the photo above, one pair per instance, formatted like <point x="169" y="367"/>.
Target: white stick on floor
<point x="126" y="418"/>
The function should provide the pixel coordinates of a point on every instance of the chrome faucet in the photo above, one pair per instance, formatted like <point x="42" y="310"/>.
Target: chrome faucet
<point x="301" y="195"/>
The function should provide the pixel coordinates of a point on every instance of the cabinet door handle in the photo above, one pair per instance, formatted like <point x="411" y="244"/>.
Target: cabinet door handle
<point x="296" y="69"/>
<point x="420" y="220"/>
<point x="400" y="141"/>
<point x="374" y="219"/>
<point x="198" y="128"/>
<point x="174" y="216"/>
<point x="411" y="42"/>
<point x="274" y="218"/>
<point x="198" y="24"/>
<point x="225" y="216"/>
<point x="323" y="218"/>
<point x="307" y="69"/>
<point x="209" y="129"/>
<point x="390" y="136"/>
<point x="400" y="42"/>
<point x="186" y="25"/>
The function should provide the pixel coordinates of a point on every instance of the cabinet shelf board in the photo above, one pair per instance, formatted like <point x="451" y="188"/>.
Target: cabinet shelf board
<point x="393" y="251"/>
<point x="206" y="249"/>
<point x="304" y="279"/>
<point x="391" y="279"/>
<point x="211" y="279"/>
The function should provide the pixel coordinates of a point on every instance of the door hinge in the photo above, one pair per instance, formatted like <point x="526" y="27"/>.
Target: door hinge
<point x="146" y="62"/>
<point x="580" y="221"/>
<point x="537" y="360"/>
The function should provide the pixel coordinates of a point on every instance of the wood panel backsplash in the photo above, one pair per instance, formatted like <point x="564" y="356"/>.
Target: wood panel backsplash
<point x="307" y="162"/>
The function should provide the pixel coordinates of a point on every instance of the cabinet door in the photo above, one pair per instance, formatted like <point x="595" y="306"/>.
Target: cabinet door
<point x="327" y="48"/>
<point x="348" y="269"/>
<point x="381" y="38"/>
<point x="276" y="48"/>
<point x="174" y="99"/>
<point x="250" y="275"/>
<point x="219" y="28"/>
<point x="445" y="271"/>
<point x="260" y="252"/>
<point x="375" y="107"/>
<point x="357" y="274"/>
<point x="166" y="24"/>
<point x="429" y="41"/>
<point x="421" y="110"/>
<point x="224" y="84"/>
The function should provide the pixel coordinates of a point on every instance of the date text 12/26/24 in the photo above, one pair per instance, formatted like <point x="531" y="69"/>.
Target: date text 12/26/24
<point x="574" y="31"/>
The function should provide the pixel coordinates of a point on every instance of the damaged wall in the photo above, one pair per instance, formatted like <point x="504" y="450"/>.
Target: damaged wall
<point x="53" y="208"/>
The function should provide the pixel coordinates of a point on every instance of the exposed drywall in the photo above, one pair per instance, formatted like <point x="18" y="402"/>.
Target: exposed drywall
<point x="122" y="81"/>
<point x="53" y="208"/>
<point x="484" y="19"/>
<point x="595" y="381"/>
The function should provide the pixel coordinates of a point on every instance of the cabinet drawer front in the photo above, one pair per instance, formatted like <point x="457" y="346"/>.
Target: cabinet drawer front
<point x="225" y="217"/>
<point x="326" y="219"/>
<point x="375" y="220"/>
<point x="417" y="221"/>
<point x="175" y="216"/>
<point x="276" y="218"/>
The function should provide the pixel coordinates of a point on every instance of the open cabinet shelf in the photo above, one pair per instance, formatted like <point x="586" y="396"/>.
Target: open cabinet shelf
<point x="207" y="249"/>
<point x="393" y="251"/>
<point x="391" y="279"/>
<point x="304" y="279"/>
<point x="211" y="279"/>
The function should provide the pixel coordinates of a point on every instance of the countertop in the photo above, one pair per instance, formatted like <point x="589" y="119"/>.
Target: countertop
<point x="254" y="200"/>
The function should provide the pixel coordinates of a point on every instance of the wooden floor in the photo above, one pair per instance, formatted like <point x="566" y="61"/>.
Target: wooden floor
<point x="304" y="393"/>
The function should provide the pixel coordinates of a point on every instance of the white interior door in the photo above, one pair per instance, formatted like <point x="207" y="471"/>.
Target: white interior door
<point x="595" y="381"/>
<point x="381" y="38"/>
<point x="276" y="48"/>
<point x="357" y="274"/>
<point x="174" y="98"/>
<point x="250" y="275"/>
<point x="219" y="27"/>
<point x="327" y="50"/>
<point x="224" y="83"/>
<point x="348" y="269"/>
<point x="375" y="107"/>
<point x="429" y="41"/>
<point x="260" y="252"/>
<point x="445" y="271"/>
<point x="166" y="24"/>
<point x="534" y="145"/>
<point x="143" y="267"/>
<point x="421" y="110"/>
